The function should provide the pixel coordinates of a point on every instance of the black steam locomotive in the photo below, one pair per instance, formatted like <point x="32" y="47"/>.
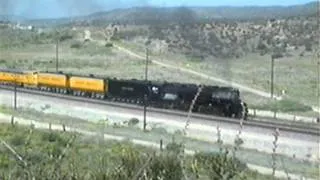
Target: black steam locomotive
<point x="215" y="100"/>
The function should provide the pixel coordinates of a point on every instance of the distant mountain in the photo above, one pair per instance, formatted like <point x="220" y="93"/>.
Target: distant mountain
<point x="11" y="18"/>
<point x="256" y="12"/>
<point x="146" y="15"/>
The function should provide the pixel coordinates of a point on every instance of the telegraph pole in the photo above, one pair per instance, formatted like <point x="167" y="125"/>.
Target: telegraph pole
<point x="15" y="88"/>
<point x="146" y="68"/>
<point x="15" y="93"/>
<point x="318" y="57"/>
<point x="272" y="72"/>
<point x="273" y="57"/>
<point x="145" y="95"/>
<point x="318" y="82"/>
<point x="57" y="54"/>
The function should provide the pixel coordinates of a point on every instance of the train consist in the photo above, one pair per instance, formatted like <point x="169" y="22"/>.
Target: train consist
<point x="214" y="100"/>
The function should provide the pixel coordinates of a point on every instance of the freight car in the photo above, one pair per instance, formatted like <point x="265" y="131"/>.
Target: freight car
<point x="215" y="100"/>
<point x="56" y="82"/>
<point x="88" y="86"/>
<point x="18" y="77"/>
<point x="11" y="77"/>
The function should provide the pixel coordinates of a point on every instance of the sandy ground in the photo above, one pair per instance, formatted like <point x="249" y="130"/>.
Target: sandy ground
<point x="291" y="144"/>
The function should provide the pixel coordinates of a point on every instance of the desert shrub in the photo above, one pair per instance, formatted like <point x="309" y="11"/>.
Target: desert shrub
<point x="66" y="35"/>
<point x="54" y="137"/>
<point x="108" y="45"/>
<point x="174" y="147"/>
<point x="133" y="122"/>
<point x="17" y="139"/>
<point x="220" y="165"/>
<point x="4" y="160"/>
<point x="165" y="166"/>
<point x="49" y="159"/>
<point x="308" y="46"/>
<point x="76" y="45"/>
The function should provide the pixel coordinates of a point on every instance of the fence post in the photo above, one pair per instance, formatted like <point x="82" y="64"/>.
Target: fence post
<point x="161" y="145"/>
<point x="64" y="128"/>
<point x="32" y="126"/>
<point x="276" y="135"/>
<point x="274" y="115"/>
<point x="12" y="120"/>
<point x="50" y="126"/>
<point x="294" y="117"/>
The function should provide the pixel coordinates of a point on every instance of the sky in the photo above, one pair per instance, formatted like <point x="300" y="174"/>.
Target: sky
<point x="64" y="8"/>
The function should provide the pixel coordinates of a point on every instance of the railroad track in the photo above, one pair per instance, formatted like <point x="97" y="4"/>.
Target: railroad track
<point x="282" y="125"/>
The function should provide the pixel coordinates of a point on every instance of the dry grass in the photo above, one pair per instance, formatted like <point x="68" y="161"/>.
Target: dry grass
<point x="297" y="75"/>
<point x="253" y="71"/>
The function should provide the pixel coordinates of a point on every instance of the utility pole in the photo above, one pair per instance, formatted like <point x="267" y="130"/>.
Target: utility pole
<point x="317" y="56"/>
<point x="15" y="93"/>
<point x="318" y="82"/>
<point x="145" y="95"/>
<point x="15" y="87"/>
<point x="273" y="57"/>
<point x="272" y="72"/>
<point x="57" y="54"/>
<point x="146" y="69"/>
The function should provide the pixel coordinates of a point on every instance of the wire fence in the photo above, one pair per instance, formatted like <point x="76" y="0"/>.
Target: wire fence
<point x="158" y="145"/>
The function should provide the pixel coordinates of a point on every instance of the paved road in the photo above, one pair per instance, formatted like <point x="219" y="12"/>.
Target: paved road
<point x="255" y="138"/>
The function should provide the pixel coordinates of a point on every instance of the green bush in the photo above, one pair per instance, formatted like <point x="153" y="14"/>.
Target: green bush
<point x="17" y="140"/>
<point x="76" y="45"/>
<point x="174" y="147"/>
<point x="133" y="122"/>
<point x="49" y="157"/>
<point x="165" y="166"/>
<point x="220" y="166"/>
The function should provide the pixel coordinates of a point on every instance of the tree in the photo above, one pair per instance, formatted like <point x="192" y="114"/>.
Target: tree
<point x="184" y="15"/>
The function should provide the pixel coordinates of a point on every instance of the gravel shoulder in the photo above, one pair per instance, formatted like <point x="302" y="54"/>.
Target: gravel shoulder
<point x="303" y="147"/>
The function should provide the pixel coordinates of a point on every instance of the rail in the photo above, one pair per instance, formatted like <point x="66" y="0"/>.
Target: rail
<point x="297" y="127"/>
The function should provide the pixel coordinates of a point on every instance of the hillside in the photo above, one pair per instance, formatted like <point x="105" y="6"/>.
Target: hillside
<point x="223" y="39"/>
<point x="143" y="15"/>
<point x="200" y="32"/>
<point x="156" y="15"/>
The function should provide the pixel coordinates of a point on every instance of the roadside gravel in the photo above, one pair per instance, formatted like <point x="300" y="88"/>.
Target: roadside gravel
<point x="305" y="147"/>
